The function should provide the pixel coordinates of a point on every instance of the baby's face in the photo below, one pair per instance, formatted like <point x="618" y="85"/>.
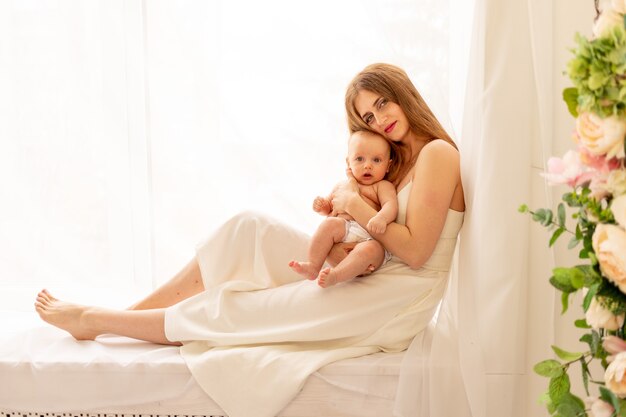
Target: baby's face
<point x="368" y="157"/>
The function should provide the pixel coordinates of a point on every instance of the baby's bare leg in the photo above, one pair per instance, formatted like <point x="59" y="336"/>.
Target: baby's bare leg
<point x="186" y="283"/>
<point x="364" y="258"/>
<point x="331" y="231"/>
<point x="86" y="323"/>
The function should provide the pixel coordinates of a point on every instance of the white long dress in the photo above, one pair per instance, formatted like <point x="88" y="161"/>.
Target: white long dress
<point x="259" y="330"/>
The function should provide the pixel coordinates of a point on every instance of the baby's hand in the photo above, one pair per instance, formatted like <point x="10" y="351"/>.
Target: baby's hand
<point x="377" y="225"/>
<point x="322" y="206"/>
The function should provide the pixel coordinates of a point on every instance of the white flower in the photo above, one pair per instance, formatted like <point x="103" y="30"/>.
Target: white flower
<point x="601" y="408"/>
<point x="609" y="245"/>
<point x="618" y="208"/>
<point x="607" y="20"/>
<point x="619" y="6"/>
<point x="601" y="136"/>
<point x="599" y="317"/>
<point x="616" y="182"/>
<point x="614" y="375"/>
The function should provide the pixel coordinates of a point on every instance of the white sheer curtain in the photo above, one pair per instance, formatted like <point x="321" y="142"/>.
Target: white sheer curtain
<point x="69" y="185"/>
<point x="129" y="129"/>
<point x="507" y="135"/>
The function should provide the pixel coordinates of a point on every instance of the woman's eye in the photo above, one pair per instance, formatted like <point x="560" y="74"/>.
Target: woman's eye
<point x="368" y="119"/>
<point x="382" y="103"/>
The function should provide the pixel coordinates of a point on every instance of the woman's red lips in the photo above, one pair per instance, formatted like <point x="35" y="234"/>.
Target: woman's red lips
<point x="390" y="127"/>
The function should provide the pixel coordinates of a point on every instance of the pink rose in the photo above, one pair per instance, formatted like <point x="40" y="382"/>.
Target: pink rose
<point x="613" y="345"/>
<point x="609" y="245"/>
<point x="567" y="170"/>
<point x="601" y="408"/>
<point x="601" y="136"/>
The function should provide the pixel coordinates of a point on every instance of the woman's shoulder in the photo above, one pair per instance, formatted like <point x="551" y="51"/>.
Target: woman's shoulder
<point x="438" y="151"/>
<point x="439" y="145"/>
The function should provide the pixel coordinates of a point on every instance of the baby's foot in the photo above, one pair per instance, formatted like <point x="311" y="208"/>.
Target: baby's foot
<point x="327" y="278"/>
<point x="66" y="316"/>
<point x="306" y="269"/>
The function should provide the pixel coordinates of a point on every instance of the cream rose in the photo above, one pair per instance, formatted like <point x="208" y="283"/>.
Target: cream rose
<point x="609" y="244"/>
<point x="619" y="6"/>
<point x="601" y="136"/>
<point x="618" y="208"/>
<point x="616" y="182"/>
<point x="607" y="20"/>
<point x="599" y="317"/>
<point x="614" y="375"/>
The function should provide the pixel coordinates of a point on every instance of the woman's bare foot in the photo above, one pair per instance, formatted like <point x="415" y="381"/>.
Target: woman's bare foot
<point x="66" y="316"/>
<point x="327" y="278"/>
<point x="306" y="269"/>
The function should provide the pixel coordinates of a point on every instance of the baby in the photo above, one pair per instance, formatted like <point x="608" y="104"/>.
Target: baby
<point x="369" y="160"/>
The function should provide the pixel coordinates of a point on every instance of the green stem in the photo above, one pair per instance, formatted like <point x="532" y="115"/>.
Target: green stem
<point x="553" y="223"/>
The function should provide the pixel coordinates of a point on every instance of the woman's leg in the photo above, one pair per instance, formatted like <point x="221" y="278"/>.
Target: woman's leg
<point x="186" y="283"/>
<point x="86" y="323"/>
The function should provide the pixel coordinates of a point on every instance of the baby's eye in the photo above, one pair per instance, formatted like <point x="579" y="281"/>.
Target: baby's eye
<point x="377" y="160"/>
<point x="359" y="159"/>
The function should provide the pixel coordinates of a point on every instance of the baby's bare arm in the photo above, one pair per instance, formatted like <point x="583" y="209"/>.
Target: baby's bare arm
<point x="388" y="199"/>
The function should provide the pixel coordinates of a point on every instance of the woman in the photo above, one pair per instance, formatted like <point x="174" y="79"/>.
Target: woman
<point x="251" y="329"/>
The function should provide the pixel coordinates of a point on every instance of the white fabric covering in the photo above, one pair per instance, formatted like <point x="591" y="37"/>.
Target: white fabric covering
<point x="261" y="328"/>
<point x="43" y="369"/>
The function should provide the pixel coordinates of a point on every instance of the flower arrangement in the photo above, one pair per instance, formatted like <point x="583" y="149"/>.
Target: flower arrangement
<point x="596" y="173"/>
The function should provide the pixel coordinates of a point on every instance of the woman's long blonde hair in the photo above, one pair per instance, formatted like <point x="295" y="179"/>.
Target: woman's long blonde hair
<point x="393" y="84"/>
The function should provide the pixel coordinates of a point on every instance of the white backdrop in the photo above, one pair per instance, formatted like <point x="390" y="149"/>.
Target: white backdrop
<point x="129" y="129"/>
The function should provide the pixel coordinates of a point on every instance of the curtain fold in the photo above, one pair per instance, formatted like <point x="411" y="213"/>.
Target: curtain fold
<point x="478" y="346"/>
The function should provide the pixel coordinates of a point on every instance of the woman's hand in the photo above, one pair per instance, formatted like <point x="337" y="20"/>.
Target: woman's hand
<point x="343" y="194"/>
<point x="338" y="252"/>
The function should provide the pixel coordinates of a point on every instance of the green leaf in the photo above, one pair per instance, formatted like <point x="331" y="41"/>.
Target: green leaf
<point x="610" y="398"/>
<point x="523" y="208"/>
<point x="543" y="216"/>
<point x="561" y="215"/>
<point x="594" y="341"/>
<point x="585" y="372"/>
<point x="570" y="405"/>
<point x="570" y="96"/>
<point x="558" y="232"/>
<point x="549" y="368"/>
<point x="565" y="355"/>
<point x="582" y="324"/>
<point x="559" y="386"/>
<point x="593" y="290"/>
<point x="567" y="279"/>
<point x="564" y="302"/>
<point x="573" y="242"/>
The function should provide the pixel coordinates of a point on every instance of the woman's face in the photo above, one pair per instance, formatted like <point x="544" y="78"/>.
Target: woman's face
<point x="382" y="116"/>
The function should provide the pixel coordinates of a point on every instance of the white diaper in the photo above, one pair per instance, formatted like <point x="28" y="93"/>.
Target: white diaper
<point x="355" y="233"/>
